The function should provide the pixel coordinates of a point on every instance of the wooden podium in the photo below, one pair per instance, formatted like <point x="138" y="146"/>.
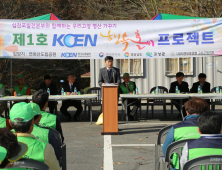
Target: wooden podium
<point x="110" y="109"/>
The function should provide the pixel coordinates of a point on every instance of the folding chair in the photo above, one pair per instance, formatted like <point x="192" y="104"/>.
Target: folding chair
<point x="62" y="145"/>
<point x="159" y="101"/>
<point x="163" y="132"/>
<point x="196" y="163"/>
<point x="94" y="102"/>
<point x="217" y="101"/>
<point x="30" y="164"/>
<point x="175" y="147"/>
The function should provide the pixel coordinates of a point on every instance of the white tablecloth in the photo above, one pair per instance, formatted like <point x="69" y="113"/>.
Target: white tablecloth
<point x="173" y="96"/>
<point x="51" y="97"/>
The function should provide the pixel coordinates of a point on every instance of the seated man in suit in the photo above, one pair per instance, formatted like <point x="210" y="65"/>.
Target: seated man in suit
<point x="109" y="74"/>
<point x="127" y="87"/>
<point x="204" y="86"/>
<point x="183" y="87"/>
<point x="209" y="127"/>
<point x="69" y="87"/>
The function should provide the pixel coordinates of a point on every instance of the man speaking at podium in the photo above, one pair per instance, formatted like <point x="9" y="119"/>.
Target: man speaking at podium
<point x="109" y="74"/>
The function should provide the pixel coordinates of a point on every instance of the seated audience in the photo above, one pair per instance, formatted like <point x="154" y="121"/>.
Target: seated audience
<point x="127" y="87"/>
<point x="22" y="120"/>
<point x="53" y="91"/>
<point x="183" y="87"/>
<point x="209" y="127"/>
<point x="45" y="135"/>
<point x="21" y="89"/>
<point x="41" y="98"/>
<point x="3" y="104"/>
<point x="10" y="149"/>
<point x="204" y="85"/>
<point x="187" y="128"/>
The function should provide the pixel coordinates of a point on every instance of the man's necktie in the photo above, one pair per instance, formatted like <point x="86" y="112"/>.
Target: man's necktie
<point x="71" y="88"/>
<point x="109" y="74"/>
<point x="127" y="86"/>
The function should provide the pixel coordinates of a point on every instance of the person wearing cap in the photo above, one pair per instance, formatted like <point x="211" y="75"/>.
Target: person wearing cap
<point x="53" y="91"/>
<point x="10" y="149"/>
<point x="41" y="98"/>
<point x="21" y="89"/>
<point x="44" y="134"/>
<point x="3" y="104"/>
<point x="127" y="87"/>
<point x="22" y="120"/>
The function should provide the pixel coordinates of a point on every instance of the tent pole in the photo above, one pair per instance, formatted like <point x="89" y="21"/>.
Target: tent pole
<point x="202" y="65"/>
<point x="11" y="75"/>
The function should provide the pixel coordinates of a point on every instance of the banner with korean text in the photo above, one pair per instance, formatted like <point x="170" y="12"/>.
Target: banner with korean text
<point x="24" y="39"/>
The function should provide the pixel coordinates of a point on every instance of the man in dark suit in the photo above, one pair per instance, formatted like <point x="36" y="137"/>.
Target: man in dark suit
<point x="127" y="87"/>
<point x="204" y="86"/>
<point x="53" y="91"/>
<point x="69" y="87"/>
<point x="183" y="87"/>
<point x="109" y="74"/>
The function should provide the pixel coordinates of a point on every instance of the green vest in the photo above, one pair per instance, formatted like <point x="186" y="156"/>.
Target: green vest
<point x="204" y="147"/>
<point x="23" y="92"/>
<point x="2" y="122"/>
<point x="40" y="133"/>
<point x="36" y="148"/>
<point x="1" y="85"/>
<point x="125" y="90"/>
<point x="184" y="130"/>
<point x="48" y="120"/>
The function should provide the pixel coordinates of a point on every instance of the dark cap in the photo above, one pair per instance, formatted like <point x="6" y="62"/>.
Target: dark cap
<point x="47" y="77"/>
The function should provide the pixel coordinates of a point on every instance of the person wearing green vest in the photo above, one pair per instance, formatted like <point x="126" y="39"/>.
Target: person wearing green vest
<point x="44" y="134"/>
<point x="21" y="89"/>
<point x="22" y="120"/>
<point x="41" y="98"/>
<point x="210" y="142"/>
<point x="5" y="123"/>
<point x="3" y="104"/>
<point x="127" y="87"/>
<point x="10" y="150"/>
<point x="186" y="129"/>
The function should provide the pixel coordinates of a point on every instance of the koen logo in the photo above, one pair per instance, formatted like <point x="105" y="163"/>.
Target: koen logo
<point x="67" y="55"/>
<point x="74" y="40"/>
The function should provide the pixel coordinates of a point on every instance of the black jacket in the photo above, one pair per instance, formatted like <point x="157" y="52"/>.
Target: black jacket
<point x="205" y="88"/>
<point x="66" y="87"/>
<point x="52" y="87"/>
<point x="184" y="87"/>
